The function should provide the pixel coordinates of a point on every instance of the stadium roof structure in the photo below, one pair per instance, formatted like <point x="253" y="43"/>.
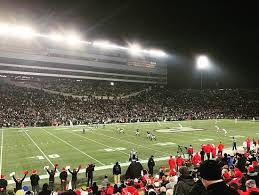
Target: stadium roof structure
<point x="26" y="32"/>
<point x="24" y="51"/>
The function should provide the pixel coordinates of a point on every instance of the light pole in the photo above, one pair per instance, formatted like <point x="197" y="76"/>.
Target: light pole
<point x="202" y="63"/>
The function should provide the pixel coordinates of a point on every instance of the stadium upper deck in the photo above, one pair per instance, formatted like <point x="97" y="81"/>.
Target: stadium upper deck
<point x="43" y="57"/>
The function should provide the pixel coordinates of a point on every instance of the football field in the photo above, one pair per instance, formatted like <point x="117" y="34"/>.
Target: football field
<point x="33" y="148"/>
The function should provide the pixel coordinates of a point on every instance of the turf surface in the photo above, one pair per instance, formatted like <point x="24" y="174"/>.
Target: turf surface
<point x="34" y="148"/>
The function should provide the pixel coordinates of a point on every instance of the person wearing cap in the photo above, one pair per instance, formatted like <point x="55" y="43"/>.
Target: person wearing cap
<point x="250" y="187"/>
<point x="185" y="182"/>
<point x="18" y="181"/>
<point x="251" y="174"/>
<point x="74" y="176"/>
<point x="210" y="173"/>
<point x="51" y="176"/>
<point x="35" y="181"/>
<point x="151" y="163"/>
<point x="116" y="171"/>
<point x="3" y="184"/>
<point x="63" y="179"/>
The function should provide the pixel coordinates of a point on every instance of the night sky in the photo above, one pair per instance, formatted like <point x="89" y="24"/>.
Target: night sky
<point x="226" y="32"/>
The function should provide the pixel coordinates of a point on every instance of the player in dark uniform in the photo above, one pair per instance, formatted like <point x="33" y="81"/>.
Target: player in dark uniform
<point x="74" y="176"/>
<point x="83" y="130"/>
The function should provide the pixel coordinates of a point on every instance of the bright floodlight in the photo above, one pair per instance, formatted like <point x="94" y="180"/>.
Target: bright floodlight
<point x="112" y="83"/>
<point x="103" y="44"/>
<point x="135" y="49"/>
<point x="202" y="62"/>
<point x="158" y="53"/>
<point x="56" y="37"/>
<point x="22" y="31"/>
<point x="4" y="28"/>
<point x="73" y="39"/>
<point x="19" y="31"/>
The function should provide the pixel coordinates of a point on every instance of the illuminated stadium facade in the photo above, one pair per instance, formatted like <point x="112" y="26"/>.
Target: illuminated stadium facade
<point x="53" y="56"/>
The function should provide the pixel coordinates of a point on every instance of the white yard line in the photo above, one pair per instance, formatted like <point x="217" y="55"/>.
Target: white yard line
<point x="74" y="147"/>
<point x="2" y="146"/>
<point x="98" y="142"/>
<point x="39" y="148"/>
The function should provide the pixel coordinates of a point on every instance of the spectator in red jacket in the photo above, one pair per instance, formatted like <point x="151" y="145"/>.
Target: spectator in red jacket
<point x="190" y="152"/>
<point x="238" y="173"/>
<point x="220" y="148"/>
<point x="179" y="162"/>
<point x="207" y="150"/>
<point x="250" y="187"/>
<point x="248" y="144"/>
<point x="109" y="189"/>
<point x="171" y="163"/>
<point x="196" y="159"/>
<point x="213" y="151"/>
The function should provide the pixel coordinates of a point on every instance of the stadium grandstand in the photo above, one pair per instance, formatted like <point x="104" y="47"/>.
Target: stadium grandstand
<point x="99" y="60"/>
<point x="96" y="118"/>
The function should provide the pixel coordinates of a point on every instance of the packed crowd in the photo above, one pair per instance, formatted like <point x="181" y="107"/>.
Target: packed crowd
<point x="35" y="107"/>
<point x="208" y="171"/>
<point x="92" y="87"/>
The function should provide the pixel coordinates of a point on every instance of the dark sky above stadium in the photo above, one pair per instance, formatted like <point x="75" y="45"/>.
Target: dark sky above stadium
<point x="227" y="31"/>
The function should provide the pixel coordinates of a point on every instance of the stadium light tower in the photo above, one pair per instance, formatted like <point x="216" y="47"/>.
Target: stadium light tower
<point x="202" y="63"/>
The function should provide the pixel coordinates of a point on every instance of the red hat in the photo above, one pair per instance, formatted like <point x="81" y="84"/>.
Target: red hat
<point x="78" y="192"/>
<point x="250" y="169"/>
<point x="34" y="171"/>
<point x="2" y="176"/>
<point x="237" y="173"/>
<point x="226" y="175"/>
<point x="63" y="168"/>
<point x="56" y="164"/>
<point x="25" y="172"/>
<point x="163" y="168"/>
<point x="254" y="163"/>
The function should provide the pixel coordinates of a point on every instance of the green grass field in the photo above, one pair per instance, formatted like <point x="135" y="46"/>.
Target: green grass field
<point x="34" y="148"/>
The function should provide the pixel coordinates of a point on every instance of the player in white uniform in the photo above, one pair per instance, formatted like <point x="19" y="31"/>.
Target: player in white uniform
<point x="120" y="130"/>
<point x="148" y="135"/>
<point x="137" y="133"/>
<point x="153" y="137"/>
